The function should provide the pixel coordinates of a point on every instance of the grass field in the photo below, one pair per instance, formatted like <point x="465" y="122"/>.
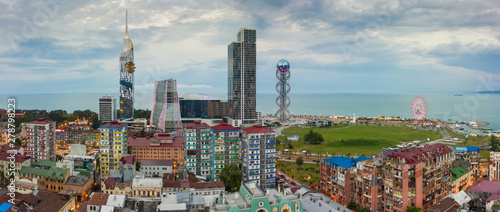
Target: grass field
<point x="292" y="170"/>
<point x="357" y="139"/>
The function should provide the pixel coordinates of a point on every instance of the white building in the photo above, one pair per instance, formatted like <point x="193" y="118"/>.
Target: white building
<point x="147" y="186"/>
<point x="258" y="148"/>
<point x="494" y="174"/>
<point x="156" y="167"/>
<point x="107" y="109"/>
<point x="41" y="140"/>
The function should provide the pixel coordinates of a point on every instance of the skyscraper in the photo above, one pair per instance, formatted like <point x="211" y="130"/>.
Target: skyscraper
<point x="41" y="140"/>
<point x="107" y="109"/>
<point x="127" y="68"/>
<point x="166" y="113"/>
<point x="242" y="77"/>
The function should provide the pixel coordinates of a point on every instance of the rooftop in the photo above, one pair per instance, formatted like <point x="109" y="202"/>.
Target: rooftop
<point x="446" y="205"/>
<point x="458" y="172"/>
<point x="79" y="180"/>
<point x="146" y="141"/>
<point x="56" y="172"/>
<point x="257" y="129"/>
<point x="18" y="157"/>
<point x="223" y="127"/>
<point x="485" y="186"/>
<point x="311" y="201"/>
<point x="128" y="160"/>
<point x="41" y="121"/>
<point x="147" y="182"/>
<point x="197" y="125"/>
<point x="345" y="162"/>
<point x="466" y="149"/>
<point x="421" y="154"/>
<point x="114" y="124"/>
<point x="110" y="181"/>
<point x="156" y="163"/>
<point x="98" y="199"/>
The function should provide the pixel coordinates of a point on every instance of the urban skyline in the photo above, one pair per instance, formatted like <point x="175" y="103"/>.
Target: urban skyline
<point x="404" y="50"/>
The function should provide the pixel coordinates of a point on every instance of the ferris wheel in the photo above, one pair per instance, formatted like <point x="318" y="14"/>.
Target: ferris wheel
<point x="418" y="109"/>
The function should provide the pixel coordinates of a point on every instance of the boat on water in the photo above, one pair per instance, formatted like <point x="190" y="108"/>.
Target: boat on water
<point x="458" y="94"/>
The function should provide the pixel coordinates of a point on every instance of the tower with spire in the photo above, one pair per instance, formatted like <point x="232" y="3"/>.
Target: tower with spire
<point x="127" y="68"/>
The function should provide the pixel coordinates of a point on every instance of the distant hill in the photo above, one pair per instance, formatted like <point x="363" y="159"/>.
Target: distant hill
<point x="488" y="92"/>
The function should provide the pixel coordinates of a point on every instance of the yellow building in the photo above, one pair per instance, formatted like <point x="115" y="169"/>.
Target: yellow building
<point x="113" y="146"/>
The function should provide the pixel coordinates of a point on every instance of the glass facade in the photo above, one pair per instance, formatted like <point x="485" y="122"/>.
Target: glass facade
<point x="166" y="113"/>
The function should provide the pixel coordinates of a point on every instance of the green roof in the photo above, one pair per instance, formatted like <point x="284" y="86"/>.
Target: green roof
<point x="56" y="172"/>
<point x="458" y="172"/>
<point x="45" y="163"/>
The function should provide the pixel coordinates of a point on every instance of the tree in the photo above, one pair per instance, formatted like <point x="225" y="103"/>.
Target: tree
<point x="351" y="205"/>
<point x="96" y="123"/>
<point x="313" y="137"/>
<point x="413" y="209"/>
<point x="494" y="143"/>
<point x="290" y="146"/>
<point x="317" y="162"/>
<point x="18" y="142"/>
<point x="299" y="161"/>
<point x="231" y="176"/>
<point x="59" y="157"/>
<point x="137" y="165"/>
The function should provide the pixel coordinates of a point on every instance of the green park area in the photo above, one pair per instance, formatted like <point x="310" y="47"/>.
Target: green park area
<point x="355" y="140"/>
<point x="307" y="174"/>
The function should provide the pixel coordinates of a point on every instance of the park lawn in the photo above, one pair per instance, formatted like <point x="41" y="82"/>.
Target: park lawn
<point x="485" y="154"/>
<point x="292" y="170"/>
<point x="357" y="139"/>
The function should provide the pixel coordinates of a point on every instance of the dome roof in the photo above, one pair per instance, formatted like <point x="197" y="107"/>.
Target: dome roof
<point x="283" y="65"/>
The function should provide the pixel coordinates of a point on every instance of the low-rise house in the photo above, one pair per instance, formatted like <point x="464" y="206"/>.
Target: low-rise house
<point x="112" y="186"/>
<point x="147" y="187"/>
<point x="191" y="185"/>
<point x="100" y="202"/>
<point x="445" y="205"/>
<point x="317" y="202"/>
<point x="19" y="161"/>
<point x="38" y="201"/>
<point x="293" y="138"/>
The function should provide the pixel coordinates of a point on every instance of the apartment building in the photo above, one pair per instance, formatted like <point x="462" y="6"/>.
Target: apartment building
<point x="113" y="146"/>
<point x="258" y="148"/>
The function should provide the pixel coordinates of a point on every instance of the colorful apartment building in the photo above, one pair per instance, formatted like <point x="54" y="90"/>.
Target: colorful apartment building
<point x="494" y="174"/>
<point x="226" y="141"/>
<point x="471" y="155"/>
<point x="369" y="184"/>
<point x="338" y="178"/>
<point x="161" y="146"/>
<point x="418" y="177"/>
<point x="258" y="147"/>
<point x="19" y="161"/>
<point x="75" y="136"/>
<point x="198" y="149"/>
<point x="113" y="146"/>
<point x="41" y="140"/>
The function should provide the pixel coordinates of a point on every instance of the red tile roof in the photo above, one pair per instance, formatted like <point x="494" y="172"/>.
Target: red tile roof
<point x="421" y="154"/>
<point x="18" y="157"/>
<point x="197" y="125"/>
<point x="485" y="186"/>
<point x="257" y="129"/>
<point x="111" y="181"/>
<point x="7" y="147"/>
<point x="128" y="160"/>
<point x="41" y="121"/>
<point x="146" y="142"/>
<point x="446" y="205"/>
<point x="98" y="199"/>
<point x="114" y="124"/>
<point x="223" y="126"/>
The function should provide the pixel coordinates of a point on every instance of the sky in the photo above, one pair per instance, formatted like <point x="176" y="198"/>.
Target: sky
<point x="344" y="46"/>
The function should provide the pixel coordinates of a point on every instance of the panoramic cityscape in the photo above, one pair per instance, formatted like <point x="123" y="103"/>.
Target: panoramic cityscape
<point x="253" y="106"/>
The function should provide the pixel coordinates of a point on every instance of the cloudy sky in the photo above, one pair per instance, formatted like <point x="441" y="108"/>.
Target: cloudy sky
<point x="344" y="46"/>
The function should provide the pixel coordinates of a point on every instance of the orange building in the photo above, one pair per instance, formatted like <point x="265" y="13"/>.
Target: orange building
<point x="162" y="146"/>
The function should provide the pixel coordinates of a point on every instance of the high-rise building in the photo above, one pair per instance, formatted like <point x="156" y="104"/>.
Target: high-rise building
<point x="241" y="79"/>
<point x="113" y="146"/>
<point x="198" y="149"/>
<point x="127" y="68"/>
<point x="226" y="141"/>
<point x="202" y="106"/>
<point x="107" y="109"/>
<point x="258" y="148"/>
<point x="494" y="166"/>
<point x="166" y="113"/>
<point x="41" y="140"/>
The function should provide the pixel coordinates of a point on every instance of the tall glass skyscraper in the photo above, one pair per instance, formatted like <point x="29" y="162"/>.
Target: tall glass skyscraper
<point x="166" y="113"/>
<point x="242" y="77"/>
<point x="127" y="69"/>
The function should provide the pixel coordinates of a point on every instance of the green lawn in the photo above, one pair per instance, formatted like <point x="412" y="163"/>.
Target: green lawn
<point x="292" y="170"/>
<point x="357" y="139"/>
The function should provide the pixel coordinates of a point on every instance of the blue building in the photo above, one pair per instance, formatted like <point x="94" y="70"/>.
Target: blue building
<point x="471" y="155"/>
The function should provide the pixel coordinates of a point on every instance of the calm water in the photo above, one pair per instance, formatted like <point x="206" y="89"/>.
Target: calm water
<point x="469" y="107"/>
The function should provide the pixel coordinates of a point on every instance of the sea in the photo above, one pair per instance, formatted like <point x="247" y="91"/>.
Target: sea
<point x="443" y="106"/>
